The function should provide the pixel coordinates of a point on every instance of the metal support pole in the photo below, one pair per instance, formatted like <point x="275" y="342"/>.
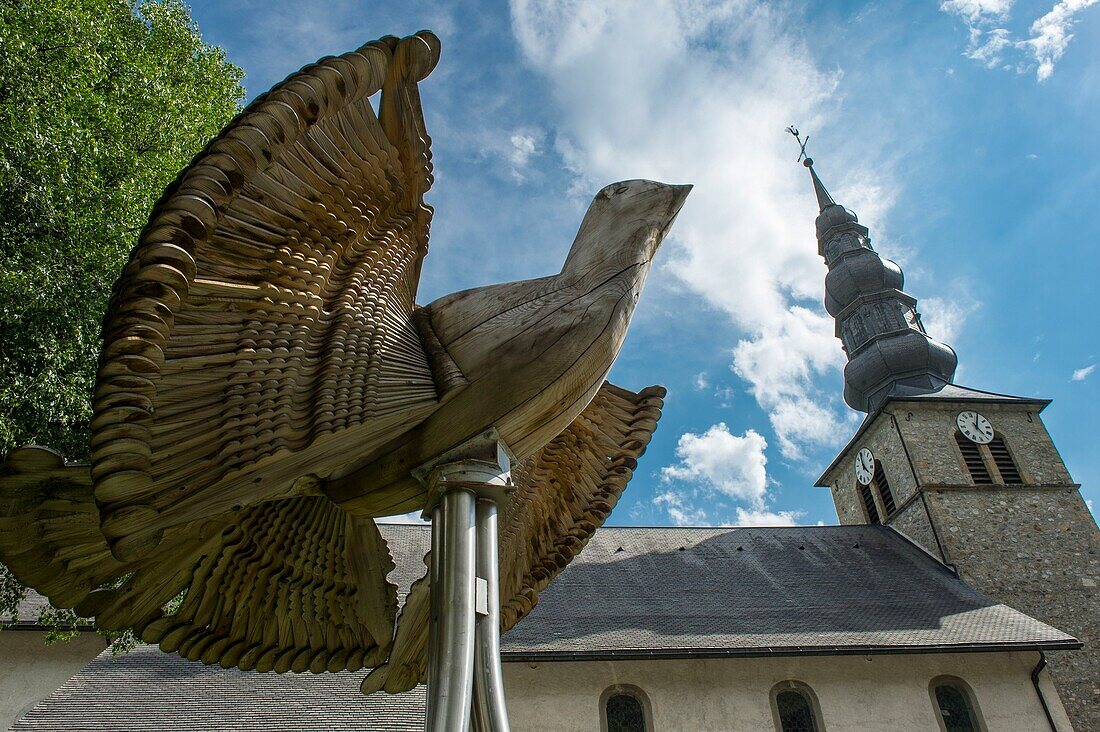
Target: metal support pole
<point x="490" y="711"/>
<point x="435" y="575"/>
<point x="451" y="700"/>
<point x="466" y="488"/>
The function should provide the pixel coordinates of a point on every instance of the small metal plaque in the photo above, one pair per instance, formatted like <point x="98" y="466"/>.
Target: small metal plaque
<point x="481" y="597"/>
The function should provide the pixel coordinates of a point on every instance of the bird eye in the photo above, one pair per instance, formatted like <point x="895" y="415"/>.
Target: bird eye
<point x="621" y="189"/>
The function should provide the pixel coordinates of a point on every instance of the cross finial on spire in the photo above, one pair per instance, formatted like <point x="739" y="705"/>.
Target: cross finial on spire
<point x="802" y="146"/>
<point x="824" y="200"/>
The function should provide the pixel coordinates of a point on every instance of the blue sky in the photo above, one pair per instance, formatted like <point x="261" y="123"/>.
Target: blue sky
<point x="963" y="133"/>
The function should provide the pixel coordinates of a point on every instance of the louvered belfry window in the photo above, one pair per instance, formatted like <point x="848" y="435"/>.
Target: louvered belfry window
<point x="883" y="486"/>
<point x="1002" y="458"/>
<point x="868" y="502"/>
<point x="972" y="456"/>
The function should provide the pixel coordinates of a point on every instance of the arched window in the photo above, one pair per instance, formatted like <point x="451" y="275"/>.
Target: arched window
<point x="868" y="502"/>
<point x="795" y="708"/>
<point x="884" y="491"/>
<point x="1002" y="458"/>
<point x="972" y="456"/>
<point x="955" y="706"/>
<point x="625" y="709"/>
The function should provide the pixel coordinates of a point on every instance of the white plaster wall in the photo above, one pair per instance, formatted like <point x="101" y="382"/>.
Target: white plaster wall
<point x="30" y="670"/>
<point x="856" y="693"/>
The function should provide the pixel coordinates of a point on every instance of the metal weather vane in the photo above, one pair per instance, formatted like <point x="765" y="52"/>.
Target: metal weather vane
<point x="269" y="385"/>
<point x="801" y="144"/>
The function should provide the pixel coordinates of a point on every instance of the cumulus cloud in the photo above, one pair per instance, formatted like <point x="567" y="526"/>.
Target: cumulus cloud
<point x="718" y="460"/>
<point x="780" y="364"/>
<point x="1082" y="374"/>
<point x="714" y="468"/>
<point x="993" y="44"/>
<point x="700" y="91"/>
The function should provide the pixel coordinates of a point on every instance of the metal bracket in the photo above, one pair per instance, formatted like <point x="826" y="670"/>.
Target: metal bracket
<point x="482" y="465"/>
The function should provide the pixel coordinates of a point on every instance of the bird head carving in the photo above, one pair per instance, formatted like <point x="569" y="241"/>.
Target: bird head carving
<point x="624" y="226"/>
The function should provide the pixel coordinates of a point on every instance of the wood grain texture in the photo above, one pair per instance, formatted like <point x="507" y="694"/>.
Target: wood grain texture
<point x="262" y="327"/>
<point x="563" y="494"/>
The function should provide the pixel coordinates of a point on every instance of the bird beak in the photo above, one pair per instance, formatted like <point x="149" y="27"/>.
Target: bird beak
<point x="678" y="194"/>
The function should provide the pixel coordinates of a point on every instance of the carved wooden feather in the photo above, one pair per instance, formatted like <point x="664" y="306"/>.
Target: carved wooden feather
<point x="563" y="494"/>
<point x="262" y="327"/>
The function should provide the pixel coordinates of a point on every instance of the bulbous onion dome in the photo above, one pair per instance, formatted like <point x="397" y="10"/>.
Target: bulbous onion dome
<point x="876" y="321"/>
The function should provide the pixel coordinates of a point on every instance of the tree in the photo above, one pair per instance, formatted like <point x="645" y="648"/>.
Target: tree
<point x="102" y="102"/>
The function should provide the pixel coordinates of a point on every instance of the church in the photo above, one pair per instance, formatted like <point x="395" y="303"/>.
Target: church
<point x="959" y="592"/>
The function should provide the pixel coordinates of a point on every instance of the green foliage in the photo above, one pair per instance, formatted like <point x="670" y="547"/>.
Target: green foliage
<point x="11" y="594"/>
<point x="101" y="103"/>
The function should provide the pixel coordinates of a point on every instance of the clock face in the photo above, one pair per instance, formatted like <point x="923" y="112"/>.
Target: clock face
<point x="974" y="427"/>
<point x="865" y="466"/>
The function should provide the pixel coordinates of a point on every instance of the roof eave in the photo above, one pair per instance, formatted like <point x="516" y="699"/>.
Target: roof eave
<point x="637" y="654"/>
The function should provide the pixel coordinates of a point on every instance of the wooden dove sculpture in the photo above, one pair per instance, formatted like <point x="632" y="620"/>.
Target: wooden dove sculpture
<point x="268" y="385"/>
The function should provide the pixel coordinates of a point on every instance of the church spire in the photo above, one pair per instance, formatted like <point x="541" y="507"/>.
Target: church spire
<point x="824" y="199"/>
<point x="889" y="352"/>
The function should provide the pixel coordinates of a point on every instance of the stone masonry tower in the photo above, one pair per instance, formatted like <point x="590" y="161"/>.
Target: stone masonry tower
<point x="972" y="476"/>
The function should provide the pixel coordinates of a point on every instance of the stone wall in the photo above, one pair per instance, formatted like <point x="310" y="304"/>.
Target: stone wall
<point x="1039" y="552"/>
<point x="854" y="693"/>
<point x="1033" y="546"/>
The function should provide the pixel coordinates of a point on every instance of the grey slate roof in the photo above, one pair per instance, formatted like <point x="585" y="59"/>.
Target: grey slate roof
<point x="146" y="690"/>
<point x="751" y="591"/>
<point x="632" y="592"/>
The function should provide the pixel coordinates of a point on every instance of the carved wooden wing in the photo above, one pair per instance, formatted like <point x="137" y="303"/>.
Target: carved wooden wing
<point x="289" y="585"/>
<point x="563" y="494"/>
<point x="260" y="334"/>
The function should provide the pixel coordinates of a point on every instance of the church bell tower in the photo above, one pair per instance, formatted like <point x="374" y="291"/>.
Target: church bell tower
<point x="972" y="476"/>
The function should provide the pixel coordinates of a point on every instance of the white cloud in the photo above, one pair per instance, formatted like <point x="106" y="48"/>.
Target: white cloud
<point x="700" y="91"/>
<point x="944" y="318"/>
<point x="767" y="518"/>
<point x="990" y="48"/>
<point x="715" y="467"/>
<point x="1049" y="35"/>
<point x="700" y="381"/>
<point x="680" y="509"/>
<point x="720" y="461"/>
<point x="780" y="364"/>
<point x="977" y="11"/>
<point x="525" y="144"/>
<point x="1082" y="374"/>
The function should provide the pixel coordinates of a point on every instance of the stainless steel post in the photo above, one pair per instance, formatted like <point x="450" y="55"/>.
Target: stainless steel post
<point x="490" y="711"/>
<point x="464" y="487"/>
<point x="434" y="584"/>
<point x="451" y="703"/>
